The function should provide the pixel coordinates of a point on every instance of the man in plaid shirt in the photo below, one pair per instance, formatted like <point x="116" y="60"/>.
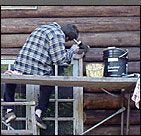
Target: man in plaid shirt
<point x="44" y="47"/>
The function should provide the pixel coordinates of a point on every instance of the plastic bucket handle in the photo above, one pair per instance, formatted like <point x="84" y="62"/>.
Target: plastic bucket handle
<point x="123" y="54"/>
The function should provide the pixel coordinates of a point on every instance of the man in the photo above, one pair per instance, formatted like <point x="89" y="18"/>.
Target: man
<point x="43" y="48"/>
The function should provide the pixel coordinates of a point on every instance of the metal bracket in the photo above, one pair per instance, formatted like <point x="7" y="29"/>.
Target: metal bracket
<point x="8" y="125"/>
<point x="108" y="92"/>
<point x="119" y="111"/>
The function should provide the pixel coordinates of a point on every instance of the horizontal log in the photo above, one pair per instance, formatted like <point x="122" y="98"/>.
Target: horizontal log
<point x="133" y="66"/>
<point x="77" y="11"/>
<point x="104" y="101"/>
<point x="94" y="116"/>
<point x="112" y="130"/>
<point x="104" y="82"/>
<point x="13" y="40"/>
<point x="98" y="90"/>
<point x="117" y="39"/>
<point x="94" y="24"/>
<point x="94" y="54"/>
<point x="10" y="51"/>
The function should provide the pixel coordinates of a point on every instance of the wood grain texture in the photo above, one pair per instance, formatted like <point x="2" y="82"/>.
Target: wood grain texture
<point x="94" y="54"/>
<point x="73" y="11"/>
<point x="92" y="24"/>
<point x="98" y="90"/>
<point x="134" y="67"/>
<point x="16" y="132"/>
<point x="103" y="101"/>
<point x="95" y="116"/>
<point x="118" y="39"/>
<point x="71" y="81"/>
<point x="112" y="130"/>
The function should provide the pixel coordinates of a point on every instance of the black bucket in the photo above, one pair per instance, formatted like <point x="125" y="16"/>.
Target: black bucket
<point x="115" y="61"/>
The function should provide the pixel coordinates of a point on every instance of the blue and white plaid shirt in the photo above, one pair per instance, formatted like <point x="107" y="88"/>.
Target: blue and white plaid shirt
<point x="44" y="47"/>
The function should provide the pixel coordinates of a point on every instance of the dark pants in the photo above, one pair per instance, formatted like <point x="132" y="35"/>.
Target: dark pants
<point x="45" y="92"/>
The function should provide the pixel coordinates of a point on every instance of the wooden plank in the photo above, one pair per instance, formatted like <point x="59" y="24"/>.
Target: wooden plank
<point x="33" y="118"/>
<point x="133" y="66"/>
<point x="77" y="11"/>
<point x="118" y="39"/>
<point x="94" y="54"/>
<point x="104" y="82"/>
<point x="31" y="103"/>
<point x="32" y="92"/>
<point x="93" y="24"/>
<point x="95" y="116"/>
<point x="16" y="132"/>
<point x="18" y="7"/>
<point x="98" y="90"/>
<point x="112" y="130"/>
<point x="10" y="51"/>
<point x="103" y="101"/>
<point x="78" y="99"/>
<point x="13" y="40"/>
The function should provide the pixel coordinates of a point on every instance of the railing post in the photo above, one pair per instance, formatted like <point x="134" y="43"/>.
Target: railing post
<point x="78" y="98"/>
<point x="33" y="119"/>
<point x="32" y="92"/>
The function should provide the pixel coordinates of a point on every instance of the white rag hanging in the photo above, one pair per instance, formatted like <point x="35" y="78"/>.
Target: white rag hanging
<point x="136" y="94"/>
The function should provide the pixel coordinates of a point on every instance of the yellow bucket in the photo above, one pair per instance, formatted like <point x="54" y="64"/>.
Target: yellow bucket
<point x="95" y="70"/>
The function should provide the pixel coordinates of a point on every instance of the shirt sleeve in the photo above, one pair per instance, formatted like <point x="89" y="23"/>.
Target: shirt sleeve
<point x="58" y="53"/>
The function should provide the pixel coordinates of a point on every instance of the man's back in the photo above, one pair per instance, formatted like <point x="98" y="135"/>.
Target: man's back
<point x="34" y="57"/>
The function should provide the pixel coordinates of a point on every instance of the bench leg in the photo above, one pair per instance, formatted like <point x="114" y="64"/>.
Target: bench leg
<point x="122" y="114"/>
<point x="128" y="115"/>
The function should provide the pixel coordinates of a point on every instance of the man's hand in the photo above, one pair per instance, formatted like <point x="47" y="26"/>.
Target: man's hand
<point x="75" y="47"/>
<point x="78" y="56"/>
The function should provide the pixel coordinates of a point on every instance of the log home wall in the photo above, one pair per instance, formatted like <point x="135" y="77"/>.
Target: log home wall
<point x="100" y="27"/>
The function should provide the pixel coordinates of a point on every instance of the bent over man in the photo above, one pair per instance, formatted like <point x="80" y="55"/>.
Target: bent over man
<point x="44" y="47"/>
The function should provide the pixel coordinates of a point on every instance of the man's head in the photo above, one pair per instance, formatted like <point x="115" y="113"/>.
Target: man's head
<point x="71" y="32"/>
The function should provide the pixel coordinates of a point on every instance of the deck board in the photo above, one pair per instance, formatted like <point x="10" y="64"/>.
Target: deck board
<point x="70" y="81"/>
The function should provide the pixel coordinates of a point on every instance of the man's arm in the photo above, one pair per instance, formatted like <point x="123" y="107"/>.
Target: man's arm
<point x="58" y="53"/>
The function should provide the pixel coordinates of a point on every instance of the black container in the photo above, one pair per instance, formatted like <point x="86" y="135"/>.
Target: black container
<point x="115" y="61"/>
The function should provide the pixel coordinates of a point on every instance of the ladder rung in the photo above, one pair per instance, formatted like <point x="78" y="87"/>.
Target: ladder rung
<point x="16" y="132"/>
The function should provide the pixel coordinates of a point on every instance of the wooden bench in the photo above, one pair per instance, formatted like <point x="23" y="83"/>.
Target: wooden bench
<point x="125" y="84"/>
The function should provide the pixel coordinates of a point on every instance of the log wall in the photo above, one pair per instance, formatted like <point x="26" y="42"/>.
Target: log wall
<point x="100" y="27"/>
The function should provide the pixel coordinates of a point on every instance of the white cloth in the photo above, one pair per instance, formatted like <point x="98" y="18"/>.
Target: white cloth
<point x="136" y="94"/>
